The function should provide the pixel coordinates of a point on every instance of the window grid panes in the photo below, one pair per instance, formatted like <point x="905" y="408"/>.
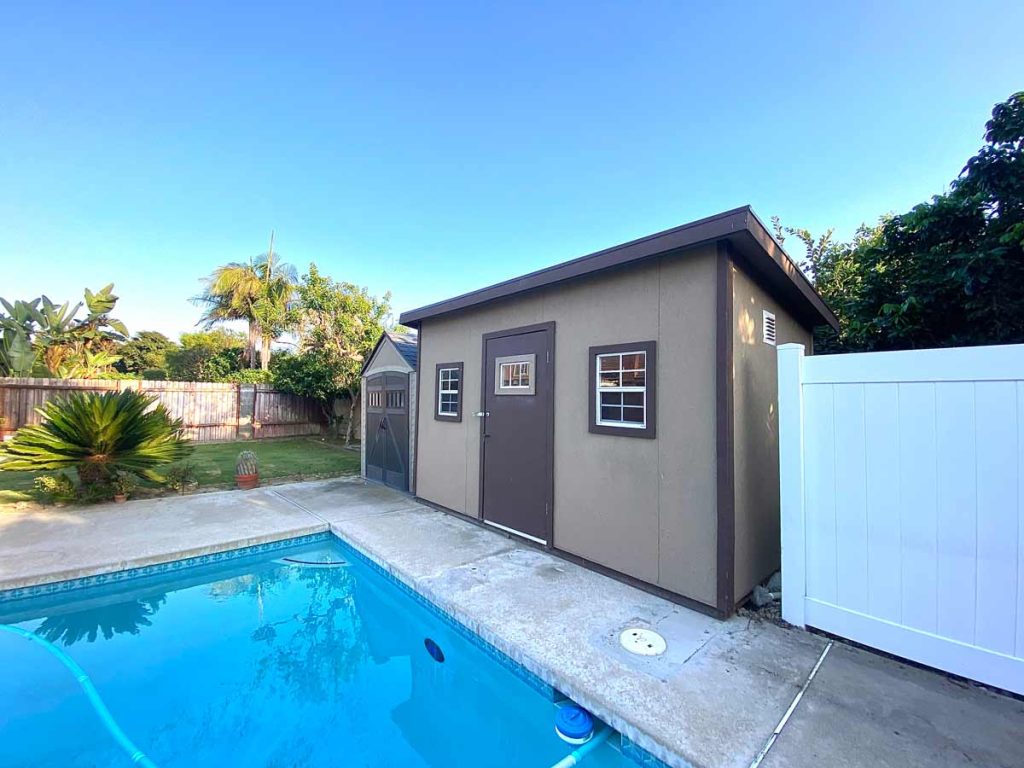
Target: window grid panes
<point x="448" y="392"/>
<point x="622" y="390"/>
<point x="515" y="375"/>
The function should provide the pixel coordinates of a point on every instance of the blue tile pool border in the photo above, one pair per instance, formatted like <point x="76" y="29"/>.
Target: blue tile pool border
<point x="628" y="748"/>
<point x="128" y="574"/>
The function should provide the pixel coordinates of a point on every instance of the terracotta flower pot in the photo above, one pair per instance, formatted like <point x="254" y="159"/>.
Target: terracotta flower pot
<point x="120" y="498"/>
<point x="247" y="482"/>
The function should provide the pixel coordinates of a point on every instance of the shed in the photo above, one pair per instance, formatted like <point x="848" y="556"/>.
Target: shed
<point x="620" y="409"/>
<point x="388" y="412"/>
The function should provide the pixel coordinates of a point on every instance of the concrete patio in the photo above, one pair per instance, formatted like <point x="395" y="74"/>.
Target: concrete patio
<point x="713" y="699"/>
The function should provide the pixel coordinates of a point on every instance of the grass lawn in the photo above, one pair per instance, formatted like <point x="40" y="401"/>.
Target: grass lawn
<point x="214" y="463"/>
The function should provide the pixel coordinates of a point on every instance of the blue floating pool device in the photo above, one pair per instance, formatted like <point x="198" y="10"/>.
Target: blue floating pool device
<point x="574" y="724"/>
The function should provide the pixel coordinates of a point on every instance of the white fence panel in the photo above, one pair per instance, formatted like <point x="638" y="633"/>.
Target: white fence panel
<point x="902" y="494"/>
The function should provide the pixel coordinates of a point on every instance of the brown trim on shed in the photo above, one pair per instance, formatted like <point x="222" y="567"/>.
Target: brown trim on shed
<point x="549" y="328"/>
<point x="725" y="460"/>
<point x="438" y="416"/>
<point x="649" y="431"/>
<point x="741" y="225"/>
<point x="419" y="426"/>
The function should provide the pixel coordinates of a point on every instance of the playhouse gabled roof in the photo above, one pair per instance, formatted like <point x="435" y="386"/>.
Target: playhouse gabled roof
<point x="754" y="244"/>
<point x="407" y="347"/>
<point x="405" y="343"/>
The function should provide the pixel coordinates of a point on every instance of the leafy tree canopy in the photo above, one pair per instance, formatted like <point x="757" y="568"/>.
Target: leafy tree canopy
<point x="206" y="355"/>
<point x="146" y="350"/>
<point x="43" y="338"/>
<point x="260" y="292"/>
<point x="338" y="324"/>
<point x="946" y="273"/>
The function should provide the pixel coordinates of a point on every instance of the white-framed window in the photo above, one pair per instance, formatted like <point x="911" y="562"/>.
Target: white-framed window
<point x="515" y="375"/>
<point x="622" y="389"/>
<point x="449" y="392"/>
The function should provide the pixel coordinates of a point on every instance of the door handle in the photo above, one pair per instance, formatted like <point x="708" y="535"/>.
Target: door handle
<point x="481" y="414"/>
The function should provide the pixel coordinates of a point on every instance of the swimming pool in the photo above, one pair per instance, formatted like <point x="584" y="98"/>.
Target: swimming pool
<point x="299" y="653"/>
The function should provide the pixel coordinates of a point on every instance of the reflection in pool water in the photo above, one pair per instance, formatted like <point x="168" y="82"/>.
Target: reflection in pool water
<point x="267" y="663"/>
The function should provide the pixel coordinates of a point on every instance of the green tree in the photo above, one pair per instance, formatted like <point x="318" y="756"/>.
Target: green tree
<point x="260" y="293"/>
<point x="18" y="356"/>
<point x="41" y="337"/>
<point x="145" y="351"/>
<point x="206" y="355"/>
<point x="946" y="273"/>
<point x="309" y="374"/>
<point x="338" y="325"/>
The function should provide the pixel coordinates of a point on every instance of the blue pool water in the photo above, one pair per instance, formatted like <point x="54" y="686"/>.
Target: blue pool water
<point x="263" y="662"/>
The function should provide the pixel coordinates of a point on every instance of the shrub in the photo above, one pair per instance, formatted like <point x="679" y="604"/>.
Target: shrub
<point x="154" y="374"/>
<point x="98" y="434"/>
<point x="181" y="477"/>
<point x="57" y="487"/>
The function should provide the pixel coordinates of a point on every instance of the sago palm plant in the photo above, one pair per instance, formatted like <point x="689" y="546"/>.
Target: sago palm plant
<point x="98" y="434"/>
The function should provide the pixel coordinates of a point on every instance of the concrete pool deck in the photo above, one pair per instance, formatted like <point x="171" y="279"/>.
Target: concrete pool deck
<point x="711" y="700"/>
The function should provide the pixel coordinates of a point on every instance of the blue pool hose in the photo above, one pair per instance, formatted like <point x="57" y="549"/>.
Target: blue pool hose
<point x="137" y="755"/>
<point x="576" y="756"/>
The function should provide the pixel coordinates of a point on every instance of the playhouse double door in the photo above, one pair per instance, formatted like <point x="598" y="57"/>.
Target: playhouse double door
<point x="517" y="431"/>
<point x="387" y="429"/>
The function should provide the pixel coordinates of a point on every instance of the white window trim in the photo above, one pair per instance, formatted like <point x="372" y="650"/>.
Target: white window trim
<point x="526" y="369"/>
<point x="442" y="391"/>
<point x="597" y="396"/>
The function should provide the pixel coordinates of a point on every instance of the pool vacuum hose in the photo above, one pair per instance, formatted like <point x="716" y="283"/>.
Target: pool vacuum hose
<point x="137" y="755"/>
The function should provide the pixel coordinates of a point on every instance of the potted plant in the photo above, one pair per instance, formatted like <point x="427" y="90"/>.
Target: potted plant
<point x="123" y="484"/>
<point x="247" y="473"/>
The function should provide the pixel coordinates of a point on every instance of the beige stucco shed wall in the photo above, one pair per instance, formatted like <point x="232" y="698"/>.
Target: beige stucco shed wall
<point x="645" y="508"/>
<point x="756" y="438"/>
<point x="388" y="358"/>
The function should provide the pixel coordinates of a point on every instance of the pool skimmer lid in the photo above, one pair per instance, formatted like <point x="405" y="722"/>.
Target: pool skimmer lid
<point x="642" y="642"/>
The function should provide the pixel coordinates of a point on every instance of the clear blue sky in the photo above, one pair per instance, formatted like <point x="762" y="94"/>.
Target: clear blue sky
<point x="432" y="148"/>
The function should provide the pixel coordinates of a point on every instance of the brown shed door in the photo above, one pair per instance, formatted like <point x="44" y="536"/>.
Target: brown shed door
<point x="387" y="429"/>
<point x="517" y="432"/>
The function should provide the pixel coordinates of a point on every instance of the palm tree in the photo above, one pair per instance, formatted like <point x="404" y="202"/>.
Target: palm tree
<point x="259" y="292"/>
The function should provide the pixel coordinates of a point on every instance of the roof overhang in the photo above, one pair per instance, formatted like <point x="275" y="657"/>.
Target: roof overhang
<point x="755" y="249"/>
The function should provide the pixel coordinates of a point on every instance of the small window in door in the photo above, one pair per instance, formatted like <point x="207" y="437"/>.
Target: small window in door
<point x="515" y="374"/>
<point x="449" y="392"/>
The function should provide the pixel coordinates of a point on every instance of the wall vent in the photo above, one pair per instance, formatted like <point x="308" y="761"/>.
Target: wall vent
<point x="768" y="327"/>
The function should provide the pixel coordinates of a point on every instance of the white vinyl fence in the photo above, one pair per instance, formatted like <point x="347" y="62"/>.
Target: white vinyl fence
<point x="902" y="479"/>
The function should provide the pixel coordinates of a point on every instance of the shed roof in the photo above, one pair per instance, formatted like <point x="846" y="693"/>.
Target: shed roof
<point x="754" y="246"/>
<point x="404" y="343"/>
<point x="407" y="346"/>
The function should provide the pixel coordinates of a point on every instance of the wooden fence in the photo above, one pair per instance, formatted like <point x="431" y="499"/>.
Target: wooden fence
<point x="211" y="412"/>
